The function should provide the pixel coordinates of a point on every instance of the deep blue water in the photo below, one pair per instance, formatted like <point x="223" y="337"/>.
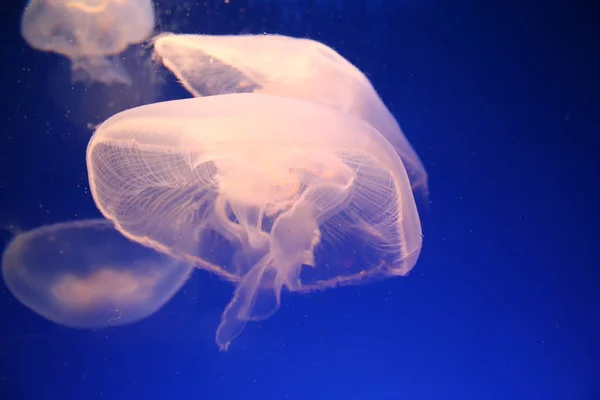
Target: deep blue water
<point x="500" y="101"/>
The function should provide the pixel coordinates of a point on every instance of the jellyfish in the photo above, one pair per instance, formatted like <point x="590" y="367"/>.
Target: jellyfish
<point x="85" y="274"/>
<point x="91" y="33"/>
<point x="257" y="188"/>
<point x="285" y="66"/>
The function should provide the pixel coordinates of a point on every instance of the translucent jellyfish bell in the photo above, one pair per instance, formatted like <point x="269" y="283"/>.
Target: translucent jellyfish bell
<point x="88" y="32"/>
<point x="85" y="274"/>
<point x="268" y="179"/>
<point x="284" y="66"/>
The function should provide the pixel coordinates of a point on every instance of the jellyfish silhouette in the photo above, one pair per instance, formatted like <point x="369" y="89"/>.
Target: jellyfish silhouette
<point x="270" y="181"/>
<point x="89" y="32"/>
<point x="284" y="66"/>
<point x="85" y="274"/>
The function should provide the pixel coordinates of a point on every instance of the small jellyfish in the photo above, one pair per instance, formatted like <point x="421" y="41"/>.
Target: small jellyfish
<point x="284" y="66"/>
<point x="91" y="33"/>
<point x="85" y="274"/>
<point x="253" y="187"/>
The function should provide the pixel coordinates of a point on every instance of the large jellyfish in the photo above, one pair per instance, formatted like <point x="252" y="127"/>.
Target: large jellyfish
<point x="273" y="181"/>
<point x="89" y="32"/>
<point x="85" y="274"/>
<point x="284" y="66"/>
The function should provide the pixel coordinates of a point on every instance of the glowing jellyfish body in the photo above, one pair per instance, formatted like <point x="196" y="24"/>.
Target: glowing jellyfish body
<point x="85" y="274"/>
<point x="284" y="66"/>
<point x="275" y="179"/>
<point x="89" y="32"/>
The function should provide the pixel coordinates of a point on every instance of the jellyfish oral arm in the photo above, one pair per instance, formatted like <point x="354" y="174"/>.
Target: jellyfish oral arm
<point x="294" y="235"/>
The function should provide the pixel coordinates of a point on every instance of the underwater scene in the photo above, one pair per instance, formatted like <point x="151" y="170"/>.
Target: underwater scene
<point x="291" y="199"/>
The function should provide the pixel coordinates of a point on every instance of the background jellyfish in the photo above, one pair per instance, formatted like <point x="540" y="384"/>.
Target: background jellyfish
<point x="285" y="66"/>
<point x="89" y="32"/>
<point x="85" y="274"/>
<point x="271" y="178"/>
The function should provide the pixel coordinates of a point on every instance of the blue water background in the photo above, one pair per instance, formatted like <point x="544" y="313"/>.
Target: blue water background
<point x="500" y="99"/>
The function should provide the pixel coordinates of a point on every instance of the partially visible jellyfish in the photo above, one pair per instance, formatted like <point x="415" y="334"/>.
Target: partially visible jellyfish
<point x="284" y="66"/>
<point x="89" y="32"/>
<point x="253" y="187"/>
<point x="85" y="274"/>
